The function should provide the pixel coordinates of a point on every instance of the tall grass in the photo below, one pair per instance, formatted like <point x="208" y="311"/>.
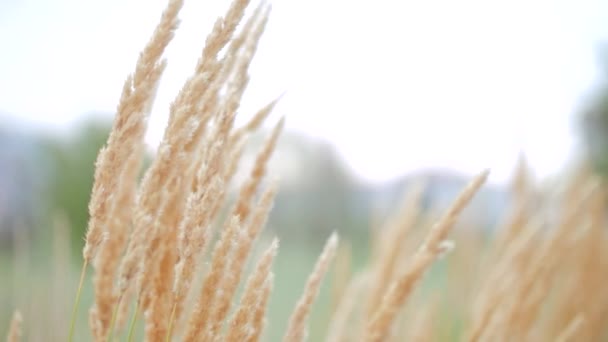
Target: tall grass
<point x="164" y="257"/>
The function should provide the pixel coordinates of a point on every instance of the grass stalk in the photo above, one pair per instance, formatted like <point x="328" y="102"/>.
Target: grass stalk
<point x="85" y="263"/>
<point x="133" y="322"/>
<point x="113" y="320"/>
<point x="171" y="320"/>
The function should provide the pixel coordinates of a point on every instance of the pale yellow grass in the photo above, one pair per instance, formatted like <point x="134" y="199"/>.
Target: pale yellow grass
<point x="543" y="278"/>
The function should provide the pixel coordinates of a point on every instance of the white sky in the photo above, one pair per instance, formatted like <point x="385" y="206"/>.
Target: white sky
<point x="395" y="85"/>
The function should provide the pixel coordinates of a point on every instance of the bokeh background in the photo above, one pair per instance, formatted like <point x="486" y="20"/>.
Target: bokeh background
<point x="376" y="95"/>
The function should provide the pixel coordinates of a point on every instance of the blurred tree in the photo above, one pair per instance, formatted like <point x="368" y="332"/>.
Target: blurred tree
<point x="21" y="182"/>
<point x="593" y="122"/>
<point x="321" y="196"/>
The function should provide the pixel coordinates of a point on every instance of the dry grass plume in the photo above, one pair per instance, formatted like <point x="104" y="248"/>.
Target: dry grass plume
<point x="150" y="240"/>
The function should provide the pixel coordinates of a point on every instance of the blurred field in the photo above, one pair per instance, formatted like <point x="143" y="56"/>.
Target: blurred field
<point x="40" y="275"/>
<point x="43" y="290"/>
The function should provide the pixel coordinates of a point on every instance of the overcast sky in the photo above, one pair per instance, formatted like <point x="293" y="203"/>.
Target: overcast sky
<point x="395" y="85"/>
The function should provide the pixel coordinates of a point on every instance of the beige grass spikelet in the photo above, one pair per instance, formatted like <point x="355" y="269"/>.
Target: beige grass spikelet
<point x="240" y="253"/>
<point x="571" y="330"/>
<point x="220" y="35"/>
<point x="187" y="133"/>
<point x="244" y="46"/>
<point x="207" y="68"/>
<point x="521" y="190"/>
<point x="342" y="274"/>
<point x="106" y="265"/>
<point x="338" y="327"/>
<point x="422" y="328"/>
<point x="297" y="329"/>
<point x="240" y="326"/>
<point x="128" y="127"/>
<point x="194" y="239"/>
<point x="397" y="231"/>
<point x="199" y="319"/>
<point x="15" y="328"/>
<point x="243" y="206"/>
<point x="499" y="282"/>
<point x="183" y="131"/>
<point x="235" y="157"/>
<point x="227" y="175"/>
<point x="441" y="229"/>
<point x="255" y="122"/>
<point x="379" y="327"/>
<point x="195" y="228"/>
<point x="124" y="308"/>
<point x="170" y="236"/>
<point x="123" y="151"/>
<point x="161" y="257"/>
<point x="259" y="313"/>
<point x="233" y="70"/>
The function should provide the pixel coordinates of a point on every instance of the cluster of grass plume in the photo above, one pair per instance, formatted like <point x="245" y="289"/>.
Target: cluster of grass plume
<point x="165" y="260"/>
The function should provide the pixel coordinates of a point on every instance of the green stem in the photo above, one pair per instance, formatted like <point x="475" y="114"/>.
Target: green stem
<point x="113" y="320"/>
<point x="170" y="330"/>
<point x="133" y="321"/>
<point x="77" y="301"/>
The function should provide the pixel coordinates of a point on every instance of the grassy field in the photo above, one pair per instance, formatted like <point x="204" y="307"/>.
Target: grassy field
<point x="44" y="291"/>
<point x="40" y="278"/>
